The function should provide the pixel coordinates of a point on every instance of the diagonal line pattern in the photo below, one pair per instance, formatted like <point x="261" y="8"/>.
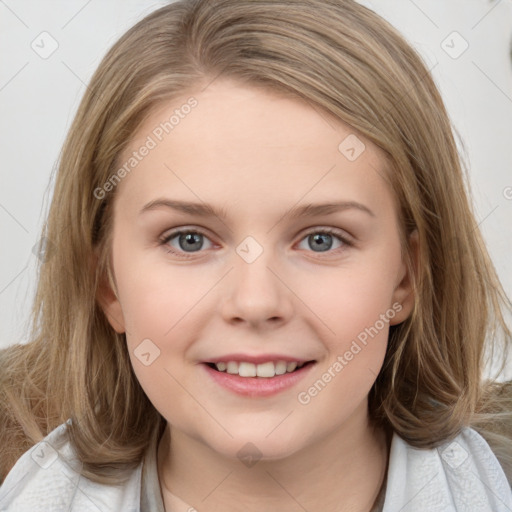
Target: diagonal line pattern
<point x="485" y="15"/>
<point x="199" y="403"/>
<point x="14" y="76"/>
<point x="321" y="114"/>
<point x="486" y="217"/>
<point x="416" y="495"/>
<point x="77" y="488"/>
<point x="220" y="220"/>
<point x="492" y="81"/>
<point x="13" y="279"/>
<point x="13" y="218"/>
<point x="490" y="490"/>
<point x="280" y="423"/>
<point x="424" y="13"/>
<point x="15" y="485"/>
<point x="406" y="93"/>
<point x="81" y="81"/>
<point x="98" y="97"/>
<point x="302" y="197"/>
<point x="190" y="309"/>
<point x="218" y="485"/>
<point x="314" y="185"/>
<point x="211" y="81"/>
<point x="13" y="13"/>
<point x="76" y="14"/>
<point x="301" y="300"/>
<point x="286" y="491"/>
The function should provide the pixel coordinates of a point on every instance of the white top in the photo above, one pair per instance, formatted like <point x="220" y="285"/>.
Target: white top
<point x="459" y="476"/>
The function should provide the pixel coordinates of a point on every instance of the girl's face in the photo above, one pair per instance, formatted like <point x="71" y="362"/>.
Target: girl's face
<point x="261" y="280"/>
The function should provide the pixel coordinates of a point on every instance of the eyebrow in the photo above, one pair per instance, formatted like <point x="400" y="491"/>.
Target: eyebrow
<point x="206" y="210"/>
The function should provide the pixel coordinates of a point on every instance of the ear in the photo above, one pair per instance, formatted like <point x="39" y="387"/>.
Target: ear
<point x="108" y="300"/>
<point x="404" y="293"/>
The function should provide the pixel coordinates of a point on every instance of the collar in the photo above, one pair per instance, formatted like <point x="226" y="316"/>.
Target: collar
<point x="462" y="474"/>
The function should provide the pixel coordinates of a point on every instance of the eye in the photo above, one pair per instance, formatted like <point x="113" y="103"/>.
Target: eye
<point x="187" y="240"/>
<point x="184" y="242"/>
<point x="322" y="239"/>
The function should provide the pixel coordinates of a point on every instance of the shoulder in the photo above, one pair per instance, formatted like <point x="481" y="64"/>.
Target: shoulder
<point x="47" y="477"/>
<point x="462" y="474"/>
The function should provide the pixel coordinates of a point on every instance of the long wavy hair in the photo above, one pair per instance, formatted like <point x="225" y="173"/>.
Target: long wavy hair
<point x="347" y="61"/>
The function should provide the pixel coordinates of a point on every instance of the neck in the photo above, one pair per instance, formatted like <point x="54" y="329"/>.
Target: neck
<point x="343" y="472"/>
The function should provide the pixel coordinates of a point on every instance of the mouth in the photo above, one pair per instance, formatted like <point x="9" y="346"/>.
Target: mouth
<point x="259" y="379"/>
<point x="265" y="370"/>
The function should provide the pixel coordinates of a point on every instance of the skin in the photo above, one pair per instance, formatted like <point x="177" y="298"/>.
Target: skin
<point x="257" y="154"/>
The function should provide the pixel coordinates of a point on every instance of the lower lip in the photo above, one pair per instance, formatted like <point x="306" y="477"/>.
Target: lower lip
<point x="258" y="386"/>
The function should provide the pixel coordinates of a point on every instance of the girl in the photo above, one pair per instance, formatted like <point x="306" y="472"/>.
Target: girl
<point x="196" y="347"/>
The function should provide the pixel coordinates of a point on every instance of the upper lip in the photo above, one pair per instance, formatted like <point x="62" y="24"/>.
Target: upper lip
<point x="259" y="359"/>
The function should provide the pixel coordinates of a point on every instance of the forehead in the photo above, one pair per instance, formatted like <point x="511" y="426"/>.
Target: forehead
<point x="241" y="143"/>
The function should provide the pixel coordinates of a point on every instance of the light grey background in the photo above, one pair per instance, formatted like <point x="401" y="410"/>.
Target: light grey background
<point x="39" y="94"/>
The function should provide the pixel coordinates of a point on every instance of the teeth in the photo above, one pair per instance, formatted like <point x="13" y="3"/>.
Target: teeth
<point x="291" y="366"/>
<point x="280" y="368"/>
<point x="232" y="367"/>
<point x="269" y="369"/>
<point x="265" y="370"/>
<point x="221" y="366"/>
<point x="247" y="370"/>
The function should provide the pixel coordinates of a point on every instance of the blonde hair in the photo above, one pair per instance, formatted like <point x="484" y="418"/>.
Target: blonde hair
<point x="345" y="60"/>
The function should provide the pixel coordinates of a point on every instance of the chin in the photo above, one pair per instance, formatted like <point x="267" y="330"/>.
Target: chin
<point x="253" y="444"/>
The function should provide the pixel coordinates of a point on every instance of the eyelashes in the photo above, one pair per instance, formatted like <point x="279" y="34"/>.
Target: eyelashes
<point x="179" y="233"/>
<point x="182" y="236"/>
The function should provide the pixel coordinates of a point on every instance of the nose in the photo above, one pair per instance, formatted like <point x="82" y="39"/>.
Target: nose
<point x="256" y="294"/>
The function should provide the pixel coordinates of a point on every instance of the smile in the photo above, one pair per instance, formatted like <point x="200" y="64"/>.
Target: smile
<point x="257" y="380"/>
<point x="266" y="370"/>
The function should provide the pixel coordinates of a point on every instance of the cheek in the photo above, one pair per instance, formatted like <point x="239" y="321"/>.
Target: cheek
<point x="356" y="308"/>
<point x="160" y="306"/>
<point x="352" y="301"/>
<point x="157" y="315"/>
<point x="156" y="298"/>
<point x="361" y="310"/>
<point x="355" y="305"/>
